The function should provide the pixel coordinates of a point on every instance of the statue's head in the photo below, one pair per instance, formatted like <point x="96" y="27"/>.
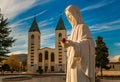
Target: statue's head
<point x="73" y="14"/>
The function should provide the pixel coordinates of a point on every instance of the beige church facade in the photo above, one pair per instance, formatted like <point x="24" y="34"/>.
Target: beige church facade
<point x="50" y="60"/>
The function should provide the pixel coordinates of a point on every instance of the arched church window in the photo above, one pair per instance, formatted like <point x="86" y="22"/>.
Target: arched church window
<point x="46" y="55"/>
<point x="40" y="57"/>
<point x="60" y="35"/>
<point x="32" y="36"/>
<point x="32" y="39"/>
<point x="52" y="57"/>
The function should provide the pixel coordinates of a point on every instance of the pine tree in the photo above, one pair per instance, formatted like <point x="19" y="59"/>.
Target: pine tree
<point x="5" y="40"/>
<point x="101" y="54"/>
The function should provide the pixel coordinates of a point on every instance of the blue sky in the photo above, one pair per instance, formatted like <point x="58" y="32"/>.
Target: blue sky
<point x="101" y="16"/>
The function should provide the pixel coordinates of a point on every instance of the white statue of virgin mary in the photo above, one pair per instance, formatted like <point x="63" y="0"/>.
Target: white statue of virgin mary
<point x="80" y="49"/>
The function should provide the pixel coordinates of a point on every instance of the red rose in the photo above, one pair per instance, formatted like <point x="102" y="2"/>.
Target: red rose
<point x="63" y="40"/>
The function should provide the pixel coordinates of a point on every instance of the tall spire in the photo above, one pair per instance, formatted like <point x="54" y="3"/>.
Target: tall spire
<point x="34" y="26"/>
<point x="60" y="25"/>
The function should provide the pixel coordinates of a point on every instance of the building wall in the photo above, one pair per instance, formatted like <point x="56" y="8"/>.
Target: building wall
<point x="33" y="46"/>
<point x="60" y="51"/>
<point x="34" y="51"/>
<point x="115" y="66"/>
<point x="46" y="62"/>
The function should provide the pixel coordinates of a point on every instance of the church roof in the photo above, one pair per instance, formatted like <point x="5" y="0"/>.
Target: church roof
<point x="60" y="25"/>
<point x="34" y="26"/>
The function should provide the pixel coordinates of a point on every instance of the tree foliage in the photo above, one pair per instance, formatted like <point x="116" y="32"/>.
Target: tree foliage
<point x="24" y="65"/>
<point x="5" y="67"/>
<point x="119" y="59"/>
<point x="13" y="62"/>
<point x="5" y="40"/>
<point x="102" y="54"/>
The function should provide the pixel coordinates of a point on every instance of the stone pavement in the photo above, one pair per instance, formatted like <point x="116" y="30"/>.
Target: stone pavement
<point x="42" y="79"/>
<point x="46" y="79"/>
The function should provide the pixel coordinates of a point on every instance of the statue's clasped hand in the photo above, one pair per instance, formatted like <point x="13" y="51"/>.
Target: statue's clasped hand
<point x="66" y="43"/>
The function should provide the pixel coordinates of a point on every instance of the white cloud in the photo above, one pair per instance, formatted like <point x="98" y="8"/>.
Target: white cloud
<point x="21" y="22"/>
<point x="12" y="8"/>
<point x="19" y="34"/>
<point x="93" y="7"/>
<point x="20" y="46"/>
<point x="99" y="27"/>
<point x="114" y="22"/>
<point x="117" y="44"/>
<point x="41" y="2"/>
<point x="97" y="5"/>
<point x="105" y="26"/>
<point x="16" y="24"/>
<point x="48" y="38"/>
<point x="17" y="52"/>
<point x="47" y="32"/>
<point x="46" y="22"/>
<point x="30" y="17"/>
<point x="114" y="58"/>
<point x="21" y="40"/>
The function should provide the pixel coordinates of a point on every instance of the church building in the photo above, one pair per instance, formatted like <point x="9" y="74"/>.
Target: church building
<point x="50" y="60"/>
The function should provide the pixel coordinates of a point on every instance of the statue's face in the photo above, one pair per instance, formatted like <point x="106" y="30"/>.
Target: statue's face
<point x="70" y="18"/>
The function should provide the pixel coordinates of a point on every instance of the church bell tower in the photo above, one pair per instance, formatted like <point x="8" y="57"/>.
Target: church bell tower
<point x="60" y="32"/>
<point x="33" y="47"/>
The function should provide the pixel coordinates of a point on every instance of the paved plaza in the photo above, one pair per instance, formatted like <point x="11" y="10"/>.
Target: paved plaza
<point x="41" y="79"/>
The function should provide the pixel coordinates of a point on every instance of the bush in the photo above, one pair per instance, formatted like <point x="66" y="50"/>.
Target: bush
<point x="40" y="71"/>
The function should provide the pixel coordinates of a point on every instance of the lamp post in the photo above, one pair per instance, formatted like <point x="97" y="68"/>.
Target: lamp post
<point x="20" y="66"/>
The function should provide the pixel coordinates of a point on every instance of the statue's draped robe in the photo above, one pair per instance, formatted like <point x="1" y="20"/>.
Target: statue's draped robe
<point x="81" y="55"/>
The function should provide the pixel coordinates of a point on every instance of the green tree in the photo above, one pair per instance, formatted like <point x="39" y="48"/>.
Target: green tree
<point x="24" y="65"/>
<point x="102" y="54"/>
<point x="5" y="40"/>
<point x="5" y="67"/>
